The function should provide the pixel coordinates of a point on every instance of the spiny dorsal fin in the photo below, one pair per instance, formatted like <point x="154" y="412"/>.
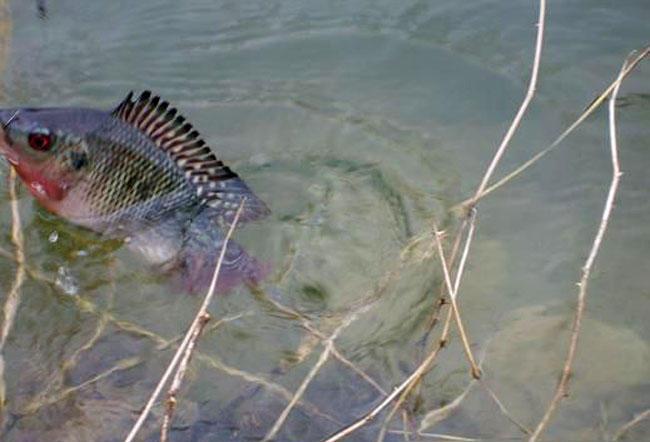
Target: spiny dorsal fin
<point x="217" y="185"/>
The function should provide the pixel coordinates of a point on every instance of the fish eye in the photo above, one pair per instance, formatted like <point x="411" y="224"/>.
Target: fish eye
<point x="40" y="140"/>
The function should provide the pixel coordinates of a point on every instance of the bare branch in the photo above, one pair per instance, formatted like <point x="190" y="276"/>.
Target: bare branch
<point x="307" y="324"/>
<point x="188" y="336"/>
<point x="532" y="85"/>
<point x="628" y="426"/>
<point x="441" y="413"/>
<point x="170" y="404"/>
<point x="13" y="298"/>
<point x="475" y="370"/>
<point x="562" y="387"/>
<point x="405" y="387"/>
<point x="272" y="387"/>
<point x="504" y="410"/>
<point x="417" y="374"/>
<point x="329" y="346"/>
<point x="538" y="156"/>
<point x="453" y="291"/>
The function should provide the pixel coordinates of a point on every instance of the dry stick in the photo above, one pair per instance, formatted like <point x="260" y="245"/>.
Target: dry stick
<point x="195" y="323"/>
<point x="362" y="374"/>
<point x="281" y="391"/>
<point x="439" y="414"/>
<point x="562" y="387"/>
<point x="435" y="416"/>
<point x="34" y="406"/>
<point x="13" y="298"/>
<point x="129" y="327"/>
<point x="345" y="361"/>
<point x="43" y="399"/>
<point x="170" y="405"/>
<point x="532" y="85"/>
<point x="538" y="156"/>
<point x="403" y="389"/>
<point x="217" y="324"/>
<point x="453" y="291"/>
<point x="419" y="372"/>
<point x="452" y="261"/>
<point x="452" y="295"/>
<point x="476" y="373"/>
<point x="503" y="408"/>
<point x="628" y="426"/>
<point x="299" y="392"/>
<point x="211" y="361"/>
<point x="329" y="345"/>
<point x="311" y="328"/>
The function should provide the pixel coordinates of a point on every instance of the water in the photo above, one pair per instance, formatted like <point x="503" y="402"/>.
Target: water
<point x="356" y="122"/>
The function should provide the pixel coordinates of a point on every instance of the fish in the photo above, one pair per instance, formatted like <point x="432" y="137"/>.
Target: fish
<point x="140" y="173"/>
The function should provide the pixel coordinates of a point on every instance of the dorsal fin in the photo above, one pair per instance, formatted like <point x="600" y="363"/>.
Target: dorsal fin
<point x="216" y="184"/>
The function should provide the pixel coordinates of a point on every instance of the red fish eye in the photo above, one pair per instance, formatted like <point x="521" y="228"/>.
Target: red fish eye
<point x="40" y="141"/>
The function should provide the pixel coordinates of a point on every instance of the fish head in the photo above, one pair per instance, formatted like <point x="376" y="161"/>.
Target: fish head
<point x="46" y="148"/>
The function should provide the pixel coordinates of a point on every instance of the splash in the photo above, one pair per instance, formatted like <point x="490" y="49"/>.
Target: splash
<point x="66" y="282"/>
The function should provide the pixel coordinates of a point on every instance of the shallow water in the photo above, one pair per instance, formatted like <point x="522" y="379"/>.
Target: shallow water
<point x="356" y="122"/>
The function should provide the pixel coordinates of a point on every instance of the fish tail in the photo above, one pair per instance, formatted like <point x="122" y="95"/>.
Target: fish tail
<point x="198" y="259"/>
<point x="197" y="269"/>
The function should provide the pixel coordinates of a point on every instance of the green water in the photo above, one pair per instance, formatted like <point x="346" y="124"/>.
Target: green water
<point x="357" y="122"/>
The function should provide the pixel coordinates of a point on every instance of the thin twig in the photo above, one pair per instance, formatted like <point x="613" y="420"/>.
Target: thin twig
<point x="124" y="364"/>
<point x="562" y="387"/>
<point x="13" y="298"/>
<point x="422" y="368"/>
<point x="329" y="345"/>
<point x="532" y="85"/>
<point x="272" y="387"/>
<point x="213" y="326"/>
<point x="628" y="426"/>
<point x="404" y="388"/>
<point x="440" y="301"/>
<point x="503" y="408"/>
<point x="453" y="290"/>
<point x="441" y="413"/>
<point x="170" y="405"/>
<point x="188" y="336"/>
<point x="452" y="295"/>
<point x="590" y="109"/>
<point x="88" y="306"/>
<point x="307" y="324"/>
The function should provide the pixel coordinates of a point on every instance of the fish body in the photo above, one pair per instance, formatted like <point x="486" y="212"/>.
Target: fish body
<point x="141" y="173"/>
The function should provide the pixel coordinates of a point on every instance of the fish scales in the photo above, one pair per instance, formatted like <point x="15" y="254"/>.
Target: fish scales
<point x="130" y="181"/>
<point x="142" y="173"/>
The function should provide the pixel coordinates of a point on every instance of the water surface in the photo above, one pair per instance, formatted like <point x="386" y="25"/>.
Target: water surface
<point x="357" y="122"/>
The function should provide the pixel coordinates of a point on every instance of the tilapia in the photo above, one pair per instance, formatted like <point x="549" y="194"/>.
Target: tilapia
<point x="141" y="173"/>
